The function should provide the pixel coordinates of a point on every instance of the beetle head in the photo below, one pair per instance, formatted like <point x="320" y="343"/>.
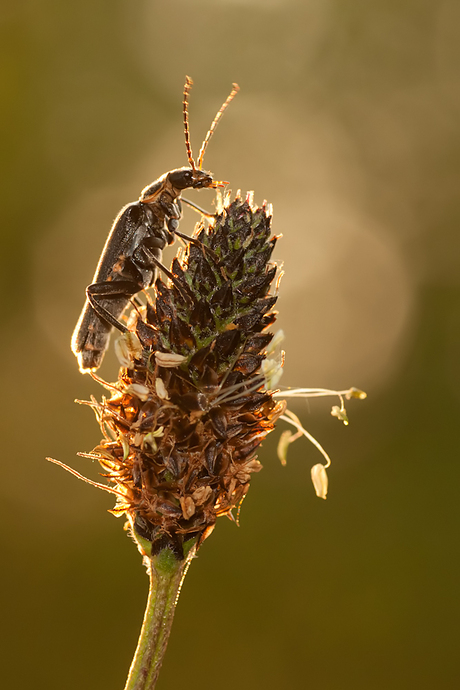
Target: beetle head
<point x="185" y="178"/>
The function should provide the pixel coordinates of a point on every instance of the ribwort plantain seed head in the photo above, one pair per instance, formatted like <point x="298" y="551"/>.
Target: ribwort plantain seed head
<point x="191" y="407"/>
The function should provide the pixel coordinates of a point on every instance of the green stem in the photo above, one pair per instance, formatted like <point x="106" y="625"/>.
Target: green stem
<point x="166" y="574"/>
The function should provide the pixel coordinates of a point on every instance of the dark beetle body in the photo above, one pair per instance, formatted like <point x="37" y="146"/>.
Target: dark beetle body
<point x="133" y="251"/>
<point x="130" y="259"/>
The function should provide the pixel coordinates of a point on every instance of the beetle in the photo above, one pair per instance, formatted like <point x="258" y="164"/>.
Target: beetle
<point x="133" y="250"/>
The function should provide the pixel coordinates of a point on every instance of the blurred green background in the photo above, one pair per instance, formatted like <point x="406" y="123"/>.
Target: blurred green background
<point x="347" y="121"/>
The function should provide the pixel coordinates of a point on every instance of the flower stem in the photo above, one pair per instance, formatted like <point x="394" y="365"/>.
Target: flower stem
<point x="166" y="573"/>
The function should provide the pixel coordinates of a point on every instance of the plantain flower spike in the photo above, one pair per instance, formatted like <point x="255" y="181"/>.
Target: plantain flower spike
<point x="195" y="394"/>
<point x="191" y="406"/>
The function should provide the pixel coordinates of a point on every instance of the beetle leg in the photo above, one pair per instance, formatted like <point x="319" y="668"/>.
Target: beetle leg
<point x="206" y="250"/>
<point x="116" y="288"/>
<point x="137" y="302"/>
<point x="171" y="277"/>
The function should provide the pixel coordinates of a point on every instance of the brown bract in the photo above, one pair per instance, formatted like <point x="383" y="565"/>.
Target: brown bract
<point x="191" y="406"/>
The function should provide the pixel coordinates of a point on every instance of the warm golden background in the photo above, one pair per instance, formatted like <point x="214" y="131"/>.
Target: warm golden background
<point x="348" y="122"/>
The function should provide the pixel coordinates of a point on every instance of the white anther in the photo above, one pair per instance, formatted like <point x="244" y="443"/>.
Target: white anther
<point x="139" y="390"/>
<point x="169" y="359"/>
<point x="319" y="479"/>
<point x="161" y="389"/>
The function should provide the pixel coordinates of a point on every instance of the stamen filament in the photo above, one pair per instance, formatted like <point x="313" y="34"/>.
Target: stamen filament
<point x="85" y="479"/>
<point x="292" y="419"/>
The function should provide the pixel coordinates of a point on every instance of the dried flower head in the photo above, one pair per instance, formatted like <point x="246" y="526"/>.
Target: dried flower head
<point x="191" y="407"/>
<point x="195" y="394"/>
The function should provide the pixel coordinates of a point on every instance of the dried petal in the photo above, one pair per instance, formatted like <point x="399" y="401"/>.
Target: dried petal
<point x="201" y="494"/>
<point x="253" y="466"/>
<point x="243" y="477"/>
<point x="125" y="446"/>
<point x="128" y="348"/>
<point x="188" y="507"/>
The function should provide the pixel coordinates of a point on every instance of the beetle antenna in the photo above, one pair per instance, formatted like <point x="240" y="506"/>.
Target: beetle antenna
<point x="187" y="87"/>
<point x="230" y="98"/>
